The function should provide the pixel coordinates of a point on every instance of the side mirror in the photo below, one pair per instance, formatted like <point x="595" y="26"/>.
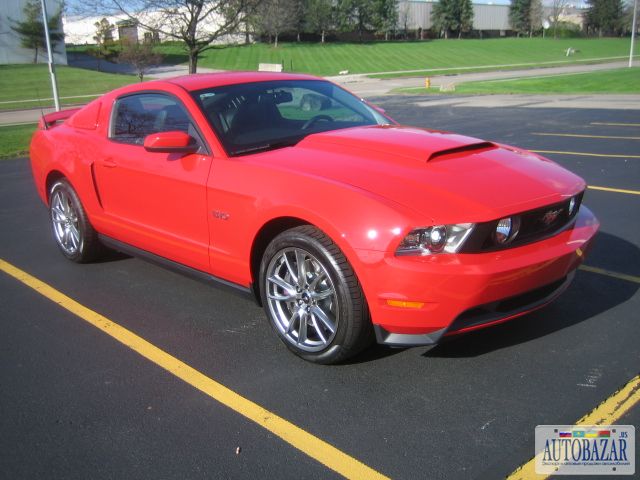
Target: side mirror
<point x="170" y="142"/>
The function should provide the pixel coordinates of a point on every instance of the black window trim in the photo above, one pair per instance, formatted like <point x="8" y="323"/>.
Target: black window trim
<point x="202" y="140"/>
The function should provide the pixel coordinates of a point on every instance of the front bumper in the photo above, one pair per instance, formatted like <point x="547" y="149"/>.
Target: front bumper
<point x="468" y="291"/>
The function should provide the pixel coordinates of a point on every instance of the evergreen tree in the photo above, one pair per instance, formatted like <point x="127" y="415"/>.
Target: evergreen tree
<point x="605" y="16"/>
<point x="525" y="16"/>
<point x="452" y="16"/>
<point x="31" y="29"/>
<point x="519" y="16"/>
<point x="356" y="15"/>
<point x="386" y="18"/>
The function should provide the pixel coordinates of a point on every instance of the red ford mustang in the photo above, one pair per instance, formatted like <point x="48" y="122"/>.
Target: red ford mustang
<point x="344" y="225"/>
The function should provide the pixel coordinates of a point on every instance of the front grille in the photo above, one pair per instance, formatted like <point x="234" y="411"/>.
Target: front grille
<point x="535" y="225"/>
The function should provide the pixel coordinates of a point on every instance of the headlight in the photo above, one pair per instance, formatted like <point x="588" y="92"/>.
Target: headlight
<point x="436" y="239"/>
<point x="506" y="230"/>
<point x="572" y="205"/>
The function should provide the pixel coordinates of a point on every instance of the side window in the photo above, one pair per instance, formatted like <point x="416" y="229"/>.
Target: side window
<point x="305" y="104"/>
<point x="136" y="116"/>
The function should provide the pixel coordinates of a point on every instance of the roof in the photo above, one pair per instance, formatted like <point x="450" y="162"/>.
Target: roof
<point x="199" y="81"/>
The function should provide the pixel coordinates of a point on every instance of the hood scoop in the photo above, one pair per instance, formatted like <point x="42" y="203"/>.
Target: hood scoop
<point x="462" y="149"/>
<point x="400" y="142"/>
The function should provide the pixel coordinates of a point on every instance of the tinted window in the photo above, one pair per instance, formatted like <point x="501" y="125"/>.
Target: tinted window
<point x="136" y="116"/>
<point x="266" y="115"/>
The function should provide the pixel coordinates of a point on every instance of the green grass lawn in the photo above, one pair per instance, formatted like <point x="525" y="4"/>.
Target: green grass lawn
<point x="331" y="58"/>
<point x="624" y="80"/>
<point x="14" y="141"/>
<point x="28" y="82"/>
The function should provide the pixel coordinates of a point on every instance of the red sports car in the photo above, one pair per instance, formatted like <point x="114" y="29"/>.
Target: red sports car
<point x="342" y="224"/>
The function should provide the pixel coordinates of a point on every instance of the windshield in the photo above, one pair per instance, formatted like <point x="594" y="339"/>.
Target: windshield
<point x="253" y="117"/>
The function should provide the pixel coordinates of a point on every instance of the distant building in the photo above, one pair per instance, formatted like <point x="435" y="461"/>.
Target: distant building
<point x="81" y="30"/>
<point x="490" y="18"/>
<point x="11" y="50"/>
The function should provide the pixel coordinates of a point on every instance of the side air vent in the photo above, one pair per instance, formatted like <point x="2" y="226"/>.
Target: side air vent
<point x="452" y="152"/>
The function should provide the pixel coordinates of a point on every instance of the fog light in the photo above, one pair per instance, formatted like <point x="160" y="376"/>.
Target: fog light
<point x="506" y="230"/>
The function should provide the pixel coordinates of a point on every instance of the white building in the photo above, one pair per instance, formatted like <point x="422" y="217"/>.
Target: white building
<point x="11" y="50"/>
<point x="81" y="30"/>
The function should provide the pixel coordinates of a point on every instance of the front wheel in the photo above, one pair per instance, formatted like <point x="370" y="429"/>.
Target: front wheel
<point x="73" y="232"/>
<point x="313" y="298"/>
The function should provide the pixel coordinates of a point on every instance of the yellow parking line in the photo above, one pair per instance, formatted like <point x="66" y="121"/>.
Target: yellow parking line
<point x="615" y="190"/>
<point x="609" y="273"/>
<point x="311" y="445"/>
<point x="613" y="124"/>
<point x="607" y="413"/>
<point x="577" y="135"/>
<point x="585" y="154"/>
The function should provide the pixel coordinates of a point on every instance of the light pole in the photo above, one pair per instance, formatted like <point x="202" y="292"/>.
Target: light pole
<point x="633" y="32"/>
<point x="52" y="68"/>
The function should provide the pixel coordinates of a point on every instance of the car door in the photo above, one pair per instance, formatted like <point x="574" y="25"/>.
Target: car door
<point x="155" y="201"/>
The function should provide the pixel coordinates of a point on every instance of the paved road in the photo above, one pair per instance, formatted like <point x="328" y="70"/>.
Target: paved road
<point x="76" y="404"/>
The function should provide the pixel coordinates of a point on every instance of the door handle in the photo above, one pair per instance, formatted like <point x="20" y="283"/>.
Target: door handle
<point x="109" y="163"/>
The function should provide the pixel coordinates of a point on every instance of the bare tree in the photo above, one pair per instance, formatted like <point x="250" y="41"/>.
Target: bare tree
<point x="104" y="40"/>
<point x="197" y="23"/>
<point x="274" y="17"/>
<point x="535" y="16"/>
<point x="557" y="9"/>
<point x="403" y="17"/>
<point x="139" y="55"/>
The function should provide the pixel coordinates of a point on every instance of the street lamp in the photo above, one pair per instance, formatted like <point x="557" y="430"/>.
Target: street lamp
<point x="633" y="32"/>
<point x="52" y="69"/>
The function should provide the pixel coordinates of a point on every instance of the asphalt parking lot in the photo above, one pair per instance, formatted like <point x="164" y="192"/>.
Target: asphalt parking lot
<point x="75" y="403"/>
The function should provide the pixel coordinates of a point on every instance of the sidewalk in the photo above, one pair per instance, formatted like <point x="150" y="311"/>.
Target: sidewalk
<point x="367" y="87"/>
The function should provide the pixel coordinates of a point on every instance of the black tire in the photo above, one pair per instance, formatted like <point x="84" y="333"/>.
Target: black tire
<point x="328" y="296"/>
<point x="72" y="231"/>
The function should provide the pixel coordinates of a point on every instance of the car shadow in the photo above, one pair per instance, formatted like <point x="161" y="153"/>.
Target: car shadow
<point x="590" y="294"/>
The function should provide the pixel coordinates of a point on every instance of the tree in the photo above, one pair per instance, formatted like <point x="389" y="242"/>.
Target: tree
<point x="196" y="23"/>
<point x="452" y="16"/>
<point x="320" y="17"/>
<point x="519" y="16"/>
<point x="605" y="16"/>
<point x="557" y="9"/>
<point x="386" y="16"/>
<point x="31" y="29"/>
<point x="536" y="13"/>
<point x="356" y="15"/>
<point x="525" y="16"/>
<point x="103" y="39"/>
<point x="273" y="17"/>
<point x="403" y="18"/>
<point x="139" y="55"/>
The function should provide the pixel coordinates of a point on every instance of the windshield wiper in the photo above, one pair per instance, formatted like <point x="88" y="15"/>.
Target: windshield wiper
<point x="265" y="147"/>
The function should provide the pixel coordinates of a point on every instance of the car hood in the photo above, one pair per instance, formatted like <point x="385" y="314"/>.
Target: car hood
<point x="446" y="177"/>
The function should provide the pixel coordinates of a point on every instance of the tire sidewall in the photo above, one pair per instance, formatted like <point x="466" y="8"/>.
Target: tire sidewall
<point x="62" y="185"/>
<point x="293" y="238"/>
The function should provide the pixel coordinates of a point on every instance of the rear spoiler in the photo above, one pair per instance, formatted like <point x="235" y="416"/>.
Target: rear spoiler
<point x="50" y="119"/>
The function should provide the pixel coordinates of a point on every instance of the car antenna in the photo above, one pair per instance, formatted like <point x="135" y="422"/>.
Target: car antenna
<point x="44" y="122"/>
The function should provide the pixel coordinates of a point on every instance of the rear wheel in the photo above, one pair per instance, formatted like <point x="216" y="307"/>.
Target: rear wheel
<point x="313" y="298"/>
<point x="73" y="233"/>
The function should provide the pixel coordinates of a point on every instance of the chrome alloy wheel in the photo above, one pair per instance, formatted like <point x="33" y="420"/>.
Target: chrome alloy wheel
<point x="302" y="299"/>
<point x="65" y="222"/>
